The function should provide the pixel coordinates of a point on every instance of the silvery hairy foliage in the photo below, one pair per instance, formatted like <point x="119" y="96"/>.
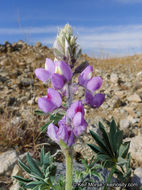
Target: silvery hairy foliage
<point x="65" y="46"/>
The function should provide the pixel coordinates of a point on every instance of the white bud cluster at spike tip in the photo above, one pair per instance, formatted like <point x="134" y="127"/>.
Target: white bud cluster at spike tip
<point x="65" y="46"/>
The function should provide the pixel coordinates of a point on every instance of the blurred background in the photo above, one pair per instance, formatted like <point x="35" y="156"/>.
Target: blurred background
<point x="112" y="27"/>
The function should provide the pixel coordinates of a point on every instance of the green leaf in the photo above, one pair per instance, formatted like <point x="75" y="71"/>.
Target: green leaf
<point x="95" y="173"/>
<point x="21" y="179"/>
<point x="119" y="139"/>
<point x="121" y="161"/>
<point x="106" y="139"/>
<point x="39" y="112"/>
<point x="104" y="157"/>
<point x="95" y="148"/>
<point x="124" y="149"/>
<point x="112" y="136"/>
<point x="99" y="142"/>
<point x="44" y="127"/>
<point x="34" y="184"/>
<point x="113" y="127"/>
<point x="24" y="166"/>
<point x="42" y="155"/>
<point x="33" y="165"/>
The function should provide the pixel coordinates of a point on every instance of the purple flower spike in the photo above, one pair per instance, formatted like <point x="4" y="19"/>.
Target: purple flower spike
<point x="50" y="102"/>
<point x="94" y="84"/>
<point x="85" y="76"/>
<point x="95" y="101"/>
<point x="74" y="108"/>
<point x="42" y="74"/>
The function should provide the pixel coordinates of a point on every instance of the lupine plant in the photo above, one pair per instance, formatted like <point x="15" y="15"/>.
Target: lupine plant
<point x="60" y="73"/>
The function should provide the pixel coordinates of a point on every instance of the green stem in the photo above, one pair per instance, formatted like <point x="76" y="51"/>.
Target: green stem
<point x="69" y="169"/>
<point x="110" y="176"/>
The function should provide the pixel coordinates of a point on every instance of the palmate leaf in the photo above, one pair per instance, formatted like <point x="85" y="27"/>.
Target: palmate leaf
<point x="95" y="148"/>
<point x="44" y="127"/>
<point x="39" y="112"/>
<point x="121" y="161"/>
<point x="106" y="139"/>
<point x="21" y="179"/>
<point x="42" y="155"/>
<point x="33" y="166"/>
<point x="112" y="135"/>
<point x="100" y="142"/>
<point x="34" y="184"/>
<point x="24" y="166"/>
<point x="118" y="138"/>
<point x="123" y="151"/>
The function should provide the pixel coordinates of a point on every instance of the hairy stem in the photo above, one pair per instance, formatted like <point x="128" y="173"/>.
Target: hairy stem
<point x="69" y="169"/>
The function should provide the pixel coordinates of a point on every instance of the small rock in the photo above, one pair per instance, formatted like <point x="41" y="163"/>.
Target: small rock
<point x="134" y="98"/>
<point x="7" y="160"/>
<point x="16" y="171"/>
<point x="124" y="125"/>
<point x="38" y="44"/>
<point x="136" y="149"/>
<point x="139" y="73"/>
<point x="15" y="186"/>
<point x="11" y="101"/>
<point x="25" y="83"/>
<point x="137" y="178"/>
<point x="31" y="102"/>
<point x="114" y="78"/>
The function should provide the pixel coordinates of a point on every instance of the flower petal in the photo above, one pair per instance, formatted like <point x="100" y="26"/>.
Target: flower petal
<point x="55" y="97"/>
<point x="74" y="108"/>
<point x="78" y="130"/>
<point x="98" y="100"/>
<point x="52" y="132"/>
<point x="85" y="76"/>
<point x="50" y="65"/>
<point x="89" y="97"/>
<point x="42" y="74"/>
<point x="46" y="105"/>
<point x="57" y="81"/>
<point x="78" y="119"/>
<point x="94" y="83"/>
<point x="62" y="133"/>
<point x="65" y="68"/>
<point x="94" y="101"/>
<point x="71" y="139"/>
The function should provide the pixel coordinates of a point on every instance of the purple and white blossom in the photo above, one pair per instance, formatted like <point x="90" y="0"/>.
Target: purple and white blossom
<point x="62" y="132"/>
<point x="94" y="100"/>
<point x="58" y="72"/>
<point x="50" y="102"/>
<point x="91" y="84"/>
<point x="76" y="115"/>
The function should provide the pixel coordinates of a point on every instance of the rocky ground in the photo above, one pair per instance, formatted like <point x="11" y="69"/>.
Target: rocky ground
<point x="20" y="89"/>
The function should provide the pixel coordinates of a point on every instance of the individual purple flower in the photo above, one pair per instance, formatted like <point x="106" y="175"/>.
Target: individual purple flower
<point x="74" y="109"/>
<point x="85" y="76"/>
<point x="88" y="81"/>
<point x="58" y="72"/>
<point x="62" y="133"/>
<point x="76" y="115"/>
<point x="50" y="102"/>
<point x="96" y="100"/>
